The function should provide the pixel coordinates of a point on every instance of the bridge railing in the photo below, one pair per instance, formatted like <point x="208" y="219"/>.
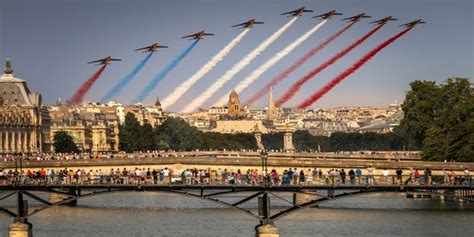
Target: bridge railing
<point x="237" y="179"/>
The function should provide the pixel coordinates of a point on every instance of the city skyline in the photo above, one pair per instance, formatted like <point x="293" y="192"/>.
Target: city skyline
<point x="58" y="38"/>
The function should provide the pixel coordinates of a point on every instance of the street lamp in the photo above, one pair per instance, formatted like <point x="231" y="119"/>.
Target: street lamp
<point x="264" y="157"/>
<point x="18" y="164"/>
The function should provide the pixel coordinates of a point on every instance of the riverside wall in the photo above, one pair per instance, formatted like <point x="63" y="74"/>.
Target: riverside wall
<point x="233" y="163"/>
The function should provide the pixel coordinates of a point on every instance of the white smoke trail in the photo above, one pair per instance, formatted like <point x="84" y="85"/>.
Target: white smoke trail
<point x="270" y="62"/>
<point x="184" y="87"/>
<point x="236" y="68"/>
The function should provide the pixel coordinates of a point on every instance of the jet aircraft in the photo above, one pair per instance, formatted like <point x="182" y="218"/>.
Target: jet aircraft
<point x="297" y="12"/>
<point x="413" y="23"/>
<point x="152" y="48"/>
<point x="196" y="36"/>
<point x="248" y="24"/>
<point x="356" y="18"/>
<point x="105" y="61"/>
<point x="384" y="20"/>
<point x="328" y="15"/>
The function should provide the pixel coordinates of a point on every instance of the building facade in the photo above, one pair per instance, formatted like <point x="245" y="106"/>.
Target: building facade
<point x="24" y="121"/>
<point x="92" y="132"/>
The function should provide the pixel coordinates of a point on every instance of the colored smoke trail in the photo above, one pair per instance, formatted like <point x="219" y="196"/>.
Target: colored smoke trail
<point x="151" y="86"/>
<point x="283" y="75"/>
<point x="298" y="84"/>
<point x="272" y="61"/>
<point x="184" y="87"/>
<point x="314" y="97"/>
<point x="78" y="96"/>
<point x="126" y="80"/>
<point x="243" y="62"/>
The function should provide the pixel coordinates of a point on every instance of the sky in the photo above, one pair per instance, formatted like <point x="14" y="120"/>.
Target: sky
<point x="51" y="41"/>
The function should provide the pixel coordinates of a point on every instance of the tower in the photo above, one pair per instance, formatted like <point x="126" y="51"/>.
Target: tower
<point x="288" y="139"/>
<point x="271" y="111"/>
<point x="234" y="105"/>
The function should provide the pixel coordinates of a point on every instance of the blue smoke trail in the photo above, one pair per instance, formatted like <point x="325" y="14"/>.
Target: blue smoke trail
<point x="127" y="79"/>
<point x="151" y="86"/>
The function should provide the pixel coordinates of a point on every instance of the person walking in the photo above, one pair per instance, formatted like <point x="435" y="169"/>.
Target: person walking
<point x="445" y="177"/>
<point x="342" y="174"/>
<point x="352" y="176"/>
<point x="452" y="177"/>
<point x="467" y="177"/>
<point x="358" y="175"/>
<point x="399" y="173"/>
<point x="370" y="175"/>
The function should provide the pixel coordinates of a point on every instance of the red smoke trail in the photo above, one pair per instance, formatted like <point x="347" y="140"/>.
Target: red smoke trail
<point x="293" y="67"/>
<point x="314" y="97"/>
<point x="82" y="91"/>
<point x="298" y="84"/>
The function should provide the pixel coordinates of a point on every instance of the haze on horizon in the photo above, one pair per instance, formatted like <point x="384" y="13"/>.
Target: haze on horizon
<point x="50" y="41"/>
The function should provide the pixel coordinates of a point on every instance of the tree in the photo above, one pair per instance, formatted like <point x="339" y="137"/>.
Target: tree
<point x="64" y="142"/>
<point x="131" y="135"/>
<point x="179" y="134"/>
<point x="419" y="109"/>
<point x="148" y="141"/>
<point x="440" y="119"/>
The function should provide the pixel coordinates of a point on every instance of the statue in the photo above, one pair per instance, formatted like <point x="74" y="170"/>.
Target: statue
<point x="256" y="129"/>
<point x="8" y="67"/>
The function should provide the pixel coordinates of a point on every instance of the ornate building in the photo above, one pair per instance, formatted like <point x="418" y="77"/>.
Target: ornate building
<point x="92" y="131"/>
<point x="272" y="111"/>
<point x="152" y="115"/>
<point x="233" y="105"/>
<point x="24" y="121"/>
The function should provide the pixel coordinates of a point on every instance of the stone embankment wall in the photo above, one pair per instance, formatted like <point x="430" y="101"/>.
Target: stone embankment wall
<point x="233" y="163"/>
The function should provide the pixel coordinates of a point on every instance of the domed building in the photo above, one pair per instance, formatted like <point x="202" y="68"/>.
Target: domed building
<point x="24" y="121"/>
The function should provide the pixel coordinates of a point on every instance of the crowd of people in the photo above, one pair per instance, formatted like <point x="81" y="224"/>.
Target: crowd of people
<point x="172" y="153"/>
<point x="194" y="176"/>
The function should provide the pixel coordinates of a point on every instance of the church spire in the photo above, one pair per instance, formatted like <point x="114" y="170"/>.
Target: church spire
<point x="8" y="67"/>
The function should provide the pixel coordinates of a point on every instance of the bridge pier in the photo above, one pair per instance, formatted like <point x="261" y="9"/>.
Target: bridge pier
<point x="267" y="230"/>
<point x="20" y="228"/>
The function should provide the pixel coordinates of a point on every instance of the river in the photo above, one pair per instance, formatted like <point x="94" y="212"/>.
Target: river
<point x="162" y="214"/>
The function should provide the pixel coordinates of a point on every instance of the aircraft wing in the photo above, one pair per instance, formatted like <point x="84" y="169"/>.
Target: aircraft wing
<point x="286" y="13"/>
<point x="142" y="48"/>
<point x="242" y="24"/>
<point x="187" y="36"/>
<point x="162" y="46"/>
<point x="96" y="61"/>
<point x="115" y="59"/>
<point x="207" y="34"/>
<point x="348" y="18"/>
<point x="258" y="22"/>
<point x="322" y="15"/>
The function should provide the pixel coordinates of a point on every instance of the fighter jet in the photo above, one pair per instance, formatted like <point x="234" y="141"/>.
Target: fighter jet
<point x="105" y="60"/>
<point x="328" y="15"/>
<point x="356" y="18"/>
<point x="248" y="24"/>
<point x="196" y="36"/>
<point x="151" y="48"/>
<point x="384" y="20"/>
<point x="297" y="12"/>
<point x="413" y="23"/>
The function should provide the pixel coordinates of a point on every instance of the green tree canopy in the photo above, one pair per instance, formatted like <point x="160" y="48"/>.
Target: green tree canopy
<point x="64" y="142"/>
<point x="440" y="118"/>
<point x="131" y="134"/>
